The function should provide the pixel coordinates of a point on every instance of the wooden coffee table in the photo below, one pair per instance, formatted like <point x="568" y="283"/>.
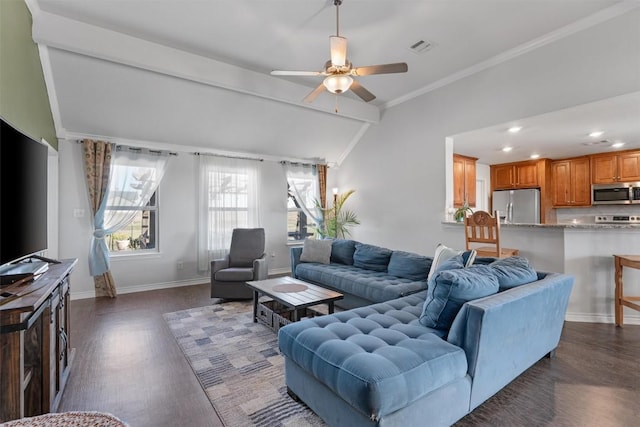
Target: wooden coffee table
<point x="293" y="294"/>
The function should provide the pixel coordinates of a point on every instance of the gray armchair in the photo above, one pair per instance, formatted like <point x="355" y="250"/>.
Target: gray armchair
<point x="246" y="261"/>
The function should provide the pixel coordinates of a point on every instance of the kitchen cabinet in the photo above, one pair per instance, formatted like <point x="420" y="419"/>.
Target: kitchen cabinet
<point x="509" y="176"/>
<point x="571" y="183"/>
<point x="609" y="168"/>
<point x="527" y="174"/>
<point x="464" y="180"/>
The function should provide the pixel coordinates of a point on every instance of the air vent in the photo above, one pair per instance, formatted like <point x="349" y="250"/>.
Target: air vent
<point x="603" y="142"/>
<point x="421" y="46"/>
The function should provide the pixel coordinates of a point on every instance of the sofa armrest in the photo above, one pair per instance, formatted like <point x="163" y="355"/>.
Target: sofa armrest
<point x="260" y="270"/>
<point x="295" y="259"/>
<point x="506" y="333"/>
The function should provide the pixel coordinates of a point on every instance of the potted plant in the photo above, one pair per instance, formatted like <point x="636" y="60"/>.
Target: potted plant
<point x="337" y="220"/>
<point x="461" y="212"/>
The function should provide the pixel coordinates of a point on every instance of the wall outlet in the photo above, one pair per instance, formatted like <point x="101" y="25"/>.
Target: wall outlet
<point x="273" y="254"/>
<point x="180" y="265"/>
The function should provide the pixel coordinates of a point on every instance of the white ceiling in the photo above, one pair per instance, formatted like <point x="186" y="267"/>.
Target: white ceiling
<point x="195" y="73"/>
<point x="559" y="134"/>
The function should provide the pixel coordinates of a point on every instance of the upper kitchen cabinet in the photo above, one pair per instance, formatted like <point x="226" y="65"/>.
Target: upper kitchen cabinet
<point x="571" y="183"/>
<point x="610" y="168"/>
<point x="527" y="174"/>
<point x="464" y="180"/>
<point x="508" y="176"/>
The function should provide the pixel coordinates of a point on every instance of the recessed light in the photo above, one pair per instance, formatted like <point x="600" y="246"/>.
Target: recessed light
<point x="515" y="129"/>
<point x="534" y="156"/>
<point x="617" y="144"/>
<point x="596" y="134"/>
<point x="507" y="149"/>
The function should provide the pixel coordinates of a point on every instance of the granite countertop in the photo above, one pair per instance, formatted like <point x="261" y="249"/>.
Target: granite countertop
<point x="592" y="226"/>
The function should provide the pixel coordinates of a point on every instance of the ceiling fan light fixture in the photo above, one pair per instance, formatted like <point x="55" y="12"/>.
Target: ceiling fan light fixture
<point x="338" y="83"/>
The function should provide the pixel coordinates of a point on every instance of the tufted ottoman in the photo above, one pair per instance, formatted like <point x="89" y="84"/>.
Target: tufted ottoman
<point x="371" y="362"/>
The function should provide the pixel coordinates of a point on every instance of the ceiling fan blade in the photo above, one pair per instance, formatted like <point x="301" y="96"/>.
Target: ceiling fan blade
<point x="338" y="51"/>
<point x="294" y="73"/>
<point x="398" y="67"/>
<point x="359" y="90"/>
<point x="314" y="94"/>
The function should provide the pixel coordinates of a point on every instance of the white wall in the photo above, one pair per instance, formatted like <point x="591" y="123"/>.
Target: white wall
<point x="177" y="234"/>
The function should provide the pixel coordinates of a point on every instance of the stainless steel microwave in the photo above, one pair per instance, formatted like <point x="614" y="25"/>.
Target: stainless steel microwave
<point x="623" y="193"/>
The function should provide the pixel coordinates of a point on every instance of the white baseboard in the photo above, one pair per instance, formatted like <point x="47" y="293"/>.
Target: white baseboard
<point x="142" y="288"/>
<point x="165" y="285"/>
<point x="601" y="318"/>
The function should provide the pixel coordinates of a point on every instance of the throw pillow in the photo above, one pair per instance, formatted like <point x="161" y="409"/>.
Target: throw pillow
<point x="371" y="257"/>
<point x="409" y="265"/>
<point x="450" y="289"/>
<point x="316" y="251"/>
<point x="342" y="251"/>
<point x="513" y="271"/>
<point x="443" y="253"/>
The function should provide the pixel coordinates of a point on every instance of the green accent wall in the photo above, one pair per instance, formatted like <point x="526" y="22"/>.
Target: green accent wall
<point x="24" y="101"/>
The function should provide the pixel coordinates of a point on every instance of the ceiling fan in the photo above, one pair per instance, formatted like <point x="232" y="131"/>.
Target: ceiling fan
<point x="338" y="71"/>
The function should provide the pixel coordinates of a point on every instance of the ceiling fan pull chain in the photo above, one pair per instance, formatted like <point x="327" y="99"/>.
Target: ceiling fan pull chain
<point x="336" y="107"/>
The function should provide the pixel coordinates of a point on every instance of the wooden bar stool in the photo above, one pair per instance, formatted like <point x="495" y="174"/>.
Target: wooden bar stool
<point x="630" y="261"/>
<point x="484" y="229"/>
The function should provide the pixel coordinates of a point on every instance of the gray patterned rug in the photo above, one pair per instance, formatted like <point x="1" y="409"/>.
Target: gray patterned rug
<point x="238" y="365"/>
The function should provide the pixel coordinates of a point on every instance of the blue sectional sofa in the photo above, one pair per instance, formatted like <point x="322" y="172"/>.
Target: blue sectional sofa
<point x="364" y="273"/>
<point x="429" y="358"/>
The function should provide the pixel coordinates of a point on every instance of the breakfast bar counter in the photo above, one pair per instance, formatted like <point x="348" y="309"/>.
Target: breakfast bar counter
<point x="585" y="250"/>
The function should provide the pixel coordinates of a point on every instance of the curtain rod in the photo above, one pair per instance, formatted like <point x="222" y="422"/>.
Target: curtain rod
<point x="257" y="159"/>
<point x="286" y="162"/>
<point x="132" y="148"/>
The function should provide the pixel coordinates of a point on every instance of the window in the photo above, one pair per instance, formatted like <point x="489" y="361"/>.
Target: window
<point x="228" y="199"/>
<point x="299" y="225"/>
<point x="131" y="211"/>
<point x="141" y="233"/>
<point x="303" y="213"/>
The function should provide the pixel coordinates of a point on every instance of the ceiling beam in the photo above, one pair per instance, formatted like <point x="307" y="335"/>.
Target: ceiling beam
<point x="89" y="40"/>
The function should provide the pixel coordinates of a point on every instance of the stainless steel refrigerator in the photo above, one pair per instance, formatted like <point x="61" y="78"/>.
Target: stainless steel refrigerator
<point x="517" y="206"/>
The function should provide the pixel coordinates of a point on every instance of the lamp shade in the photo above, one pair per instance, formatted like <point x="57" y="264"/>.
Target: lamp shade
<point x="338" y="83"/>
<point x="338" y="51"/>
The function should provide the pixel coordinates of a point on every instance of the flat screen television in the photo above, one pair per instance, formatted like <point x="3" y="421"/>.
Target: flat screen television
<point x="23" y="196"/>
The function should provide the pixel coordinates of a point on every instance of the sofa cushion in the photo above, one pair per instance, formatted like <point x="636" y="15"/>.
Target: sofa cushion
<point x="377" y="358"/>
<point x="374" y="286"/>
<point x="342" y="251"/>
<point x="316" y="251"/>
<point x="513" y="271"/>
<point x="450" y="289"/>
<point x="234" y="274"/>
<point x="409" y="265"/>
<point x="443" y="253"/>
<point x="371" y="257"/>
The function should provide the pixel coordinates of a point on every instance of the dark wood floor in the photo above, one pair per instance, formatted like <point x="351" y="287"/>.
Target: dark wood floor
<point x="128" y="363"/>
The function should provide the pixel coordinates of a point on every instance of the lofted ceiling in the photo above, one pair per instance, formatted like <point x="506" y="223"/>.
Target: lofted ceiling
<point x="195" y="73"/>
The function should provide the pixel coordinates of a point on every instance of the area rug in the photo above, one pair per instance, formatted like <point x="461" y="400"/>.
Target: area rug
<point x="69" y="419"/>
<point x="238" y="365"/>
